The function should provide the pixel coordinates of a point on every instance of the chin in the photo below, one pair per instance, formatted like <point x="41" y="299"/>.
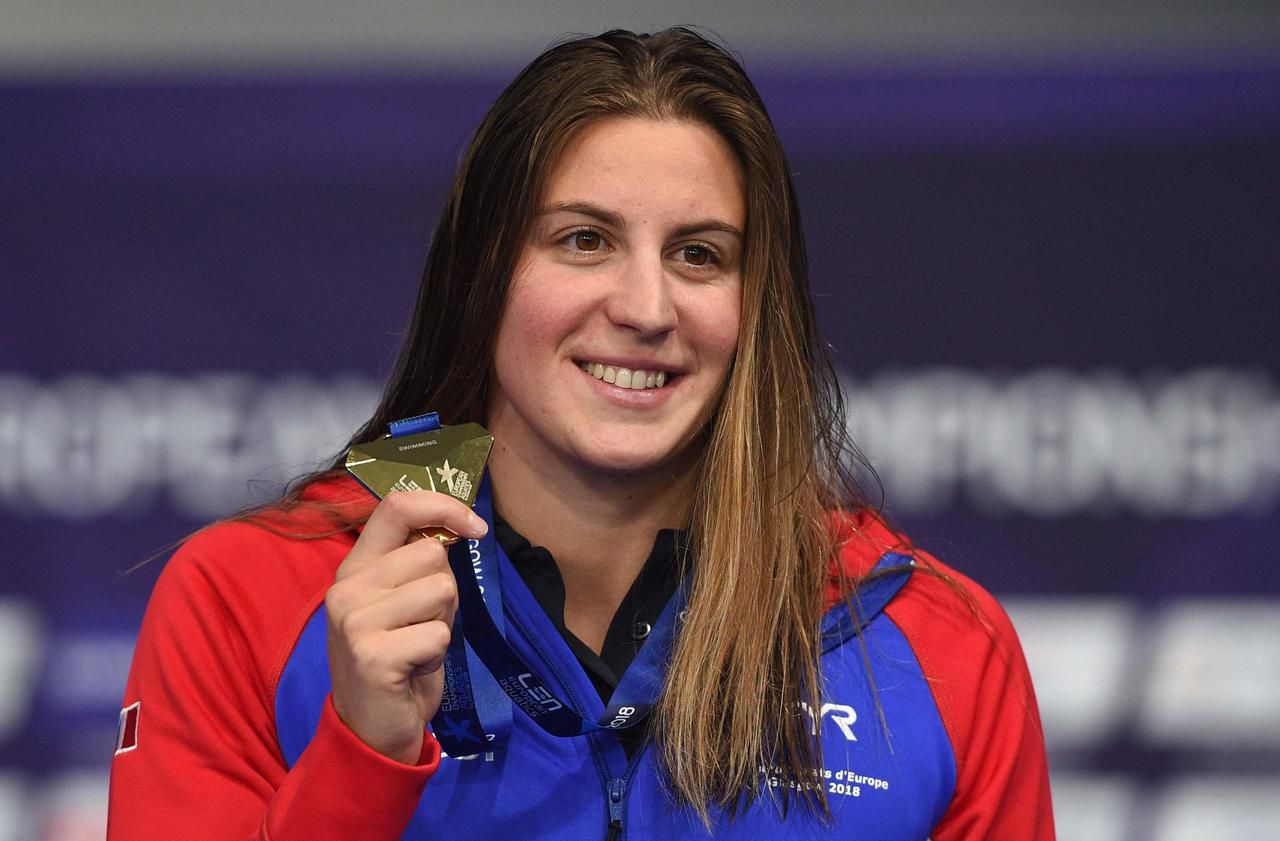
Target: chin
<point x="625" y="464"/>
<point x="628" y="457"/>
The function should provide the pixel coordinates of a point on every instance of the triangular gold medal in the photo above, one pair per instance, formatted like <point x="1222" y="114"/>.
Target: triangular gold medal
<point x="449" y="460"/>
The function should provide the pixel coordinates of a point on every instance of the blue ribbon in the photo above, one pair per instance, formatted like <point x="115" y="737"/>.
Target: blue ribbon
<point x="475" y="714"/>
<point x="414" y="425"/>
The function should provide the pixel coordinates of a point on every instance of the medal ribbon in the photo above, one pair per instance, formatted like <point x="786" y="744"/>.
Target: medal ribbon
<point x="474" y="714"/>
<point x="471" y="718"/>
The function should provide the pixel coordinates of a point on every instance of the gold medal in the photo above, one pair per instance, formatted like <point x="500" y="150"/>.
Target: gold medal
<point x="447" y="459"/>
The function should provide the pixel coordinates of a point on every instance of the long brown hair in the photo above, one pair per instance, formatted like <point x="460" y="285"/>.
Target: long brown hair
<point x="773" y="466"/>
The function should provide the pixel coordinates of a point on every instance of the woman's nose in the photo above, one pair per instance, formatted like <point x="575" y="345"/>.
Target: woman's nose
<point x="642" y="297"/>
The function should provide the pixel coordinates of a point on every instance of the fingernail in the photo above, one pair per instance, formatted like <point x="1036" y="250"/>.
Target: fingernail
<point x="478" y="525"/>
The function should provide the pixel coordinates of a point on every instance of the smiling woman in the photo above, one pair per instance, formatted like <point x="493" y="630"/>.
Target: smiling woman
<point x="617" y="289"/>
<point x="606" y="282"/>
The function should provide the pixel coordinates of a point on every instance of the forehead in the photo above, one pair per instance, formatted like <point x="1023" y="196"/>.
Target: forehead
<point x="641" y="166"/>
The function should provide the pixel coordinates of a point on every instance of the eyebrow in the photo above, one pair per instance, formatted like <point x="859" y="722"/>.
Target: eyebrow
<point x="615" y="220"/>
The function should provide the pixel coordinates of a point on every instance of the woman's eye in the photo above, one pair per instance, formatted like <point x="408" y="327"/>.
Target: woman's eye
<point x="697" y="255"/>
<point x="587" y="241"/>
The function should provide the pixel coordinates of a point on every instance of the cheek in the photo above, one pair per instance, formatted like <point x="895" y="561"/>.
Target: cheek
<point x="534" y="324"/>
<point x="718" y="327"/>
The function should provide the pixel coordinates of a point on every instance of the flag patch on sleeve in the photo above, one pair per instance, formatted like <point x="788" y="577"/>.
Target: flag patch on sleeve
<point x="127" y="729"/>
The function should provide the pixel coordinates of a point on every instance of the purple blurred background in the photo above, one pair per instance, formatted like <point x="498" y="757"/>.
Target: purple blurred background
<point x="1047" y="266"/>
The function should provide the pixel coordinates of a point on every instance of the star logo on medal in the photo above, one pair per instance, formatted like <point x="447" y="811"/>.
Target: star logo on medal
<point x="458" y="481"/>
<point x="446" y="475"/>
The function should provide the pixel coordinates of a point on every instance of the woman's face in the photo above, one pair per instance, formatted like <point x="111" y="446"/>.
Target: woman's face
<point x="622" y="318"/>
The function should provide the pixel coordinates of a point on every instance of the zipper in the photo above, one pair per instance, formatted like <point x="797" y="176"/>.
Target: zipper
<point x="602" y="768"/>
<point x="617" y="789"/>
<point x="617" y="800"/>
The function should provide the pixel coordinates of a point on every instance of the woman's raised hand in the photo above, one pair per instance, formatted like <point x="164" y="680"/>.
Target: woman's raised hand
<point x="390" y="615"/>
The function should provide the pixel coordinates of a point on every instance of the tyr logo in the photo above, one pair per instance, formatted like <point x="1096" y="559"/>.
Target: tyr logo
<point x="843" y="716"/>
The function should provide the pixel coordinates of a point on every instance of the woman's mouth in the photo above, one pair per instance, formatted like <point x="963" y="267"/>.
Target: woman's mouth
<point x="636" y="379"/>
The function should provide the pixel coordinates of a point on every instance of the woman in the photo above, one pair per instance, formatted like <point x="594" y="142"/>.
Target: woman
<point x="617" y="290"/>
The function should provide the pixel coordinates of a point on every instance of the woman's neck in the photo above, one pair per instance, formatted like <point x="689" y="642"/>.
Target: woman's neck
<point x="599" y="527"/>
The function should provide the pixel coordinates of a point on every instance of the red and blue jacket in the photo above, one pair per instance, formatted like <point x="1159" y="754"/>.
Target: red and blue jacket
<point x="228" y="732"/>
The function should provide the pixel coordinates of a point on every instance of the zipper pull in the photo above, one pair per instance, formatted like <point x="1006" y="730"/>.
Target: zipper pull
<point x="617" y="790"/>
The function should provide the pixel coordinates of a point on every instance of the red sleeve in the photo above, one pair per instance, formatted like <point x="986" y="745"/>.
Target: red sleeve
<point x="970" y="655"/>
<point x="202" y="759"/>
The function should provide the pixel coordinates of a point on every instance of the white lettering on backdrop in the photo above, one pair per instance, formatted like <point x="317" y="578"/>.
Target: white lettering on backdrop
<point x="1047" y="443"/>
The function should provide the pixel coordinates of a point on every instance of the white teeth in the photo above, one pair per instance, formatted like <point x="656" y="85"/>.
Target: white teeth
<point x="632" y="378"/>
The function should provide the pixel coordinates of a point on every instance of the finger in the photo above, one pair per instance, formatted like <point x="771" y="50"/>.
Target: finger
<point x="415" y="650"/>
<point x="403" y="512"/>
<point x="421" y="600"/>
<point x="405" y="563"/>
